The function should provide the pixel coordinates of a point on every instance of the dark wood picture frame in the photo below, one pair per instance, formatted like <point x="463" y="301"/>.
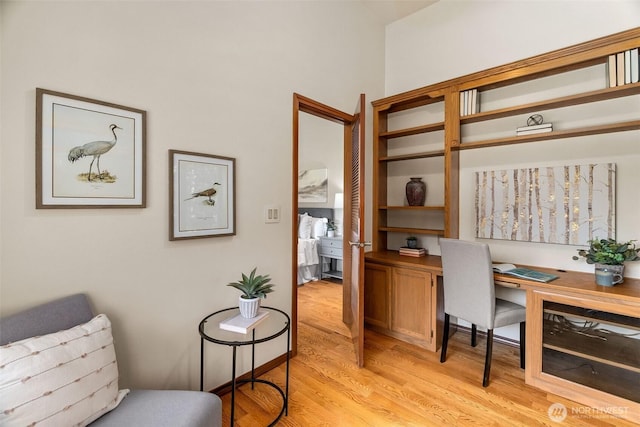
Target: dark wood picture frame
<point x="72" y="135"/>
<point x="201" y="195"/>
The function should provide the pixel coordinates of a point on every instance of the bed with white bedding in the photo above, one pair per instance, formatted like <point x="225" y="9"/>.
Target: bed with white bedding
<point x="312" y="224"/>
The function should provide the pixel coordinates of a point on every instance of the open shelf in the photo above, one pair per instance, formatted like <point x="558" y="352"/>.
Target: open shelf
<point x="412" y="208"/>
<point x="422" y="155"/>
<point x="429" y="231"/>
<point x="594" y="344"/>
<point x="593" y="374"/>
<point x="417" y="130"/>
<point x="593" y="315"/>
<point x="560" y="134"/>
<point x="565" y="101"/>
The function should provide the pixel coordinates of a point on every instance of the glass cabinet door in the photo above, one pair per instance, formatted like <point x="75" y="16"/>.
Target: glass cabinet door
<point x="597" y="349"/>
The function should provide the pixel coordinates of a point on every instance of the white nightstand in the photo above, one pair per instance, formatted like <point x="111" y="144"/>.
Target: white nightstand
<point x="331" y="248"/>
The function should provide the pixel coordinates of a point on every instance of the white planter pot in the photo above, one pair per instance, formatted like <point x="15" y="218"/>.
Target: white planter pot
<point x="331" y="233"/>
<point x="249" y="307"/>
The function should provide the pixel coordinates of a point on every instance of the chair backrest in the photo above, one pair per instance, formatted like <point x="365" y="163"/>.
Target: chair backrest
<point x="54" y="316"/>
<point x="467" y="272"/>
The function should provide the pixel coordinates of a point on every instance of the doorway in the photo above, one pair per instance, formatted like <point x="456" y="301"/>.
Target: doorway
<point x="352" y="126"/>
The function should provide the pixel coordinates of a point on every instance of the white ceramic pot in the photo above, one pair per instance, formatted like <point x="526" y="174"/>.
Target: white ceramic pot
<point x="331" y="233"/>
<point x="249" y="307"/>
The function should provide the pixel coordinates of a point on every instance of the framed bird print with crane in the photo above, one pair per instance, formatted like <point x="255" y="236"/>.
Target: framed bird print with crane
<point x="89" y="153"/>
<point x="202" y="195"/>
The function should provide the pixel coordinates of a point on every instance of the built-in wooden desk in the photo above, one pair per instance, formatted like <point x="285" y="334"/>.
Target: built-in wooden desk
<point x="583" y="340"/>
<point x="403" y="297"/>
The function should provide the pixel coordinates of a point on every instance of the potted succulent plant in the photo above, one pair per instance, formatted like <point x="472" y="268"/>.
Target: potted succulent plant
<point x="253" y="287"/>
<point x="331" y="228"/>
<point x="609" y="255"/>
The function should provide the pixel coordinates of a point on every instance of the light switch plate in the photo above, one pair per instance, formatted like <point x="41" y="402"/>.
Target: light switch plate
<point x="271" y="214"/>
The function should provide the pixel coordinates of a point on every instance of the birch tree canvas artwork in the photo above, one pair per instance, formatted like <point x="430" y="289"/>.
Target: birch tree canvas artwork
<point x="561" y="204"/>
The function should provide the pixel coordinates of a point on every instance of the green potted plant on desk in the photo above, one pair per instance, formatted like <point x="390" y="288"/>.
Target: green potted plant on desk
<point x="608" y="257"/>
<point x="254" y="288"/>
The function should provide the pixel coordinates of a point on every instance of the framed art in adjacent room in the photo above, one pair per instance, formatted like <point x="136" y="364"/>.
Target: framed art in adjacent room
<point x="89" y="153"/>
<point x="201" y="194"/>
<point x="313" y="186"/>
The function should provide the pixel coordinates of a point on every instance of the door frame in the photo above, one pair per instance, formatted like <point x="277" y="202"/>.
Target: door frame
<point x="302" y="104"/>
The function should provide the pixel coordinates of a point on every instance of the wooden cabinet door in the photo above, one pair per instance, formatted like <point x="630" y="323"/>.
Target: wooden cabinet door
<point x="376" y="295"/>
<point x="411" y="305"/>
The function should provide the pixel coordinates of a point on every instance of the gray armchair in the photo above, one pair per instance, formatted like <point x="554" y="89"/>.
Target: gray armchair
<point x="140" y="408"/>
<point x="469" y="294"/>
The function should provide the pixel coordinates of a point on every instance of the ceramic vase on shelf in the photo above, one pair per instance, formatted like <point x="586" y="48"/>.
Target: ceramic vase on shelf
<point x="416" y="191"/>
<point x="249" y="307"/>
<point x="609" y="275"/>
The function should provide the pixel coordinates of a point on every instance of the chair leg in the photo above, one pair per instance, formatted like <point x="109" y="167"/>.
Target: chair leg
<point x="523" y="336"/>
<point x="487" y="360"/>
<point x="445" y="339"/>
<point x="474" y="330"/>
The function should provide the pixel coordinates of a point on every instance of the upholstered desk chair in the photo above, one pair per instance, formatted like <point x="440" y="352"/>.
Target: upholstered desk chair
<point x="469" y="294"/>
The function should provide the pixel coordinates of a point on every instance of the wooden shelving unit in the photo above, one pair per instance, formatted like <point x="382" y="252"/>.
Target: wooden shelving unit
<point x="385" y="141"/>
<point x="386" y="135"/>
<point x="620" y="373"/>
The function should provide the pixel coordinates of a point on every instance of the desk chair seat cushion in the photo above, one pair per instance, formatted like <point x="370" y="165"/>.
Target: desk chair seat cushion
<point x="508" y="313"/>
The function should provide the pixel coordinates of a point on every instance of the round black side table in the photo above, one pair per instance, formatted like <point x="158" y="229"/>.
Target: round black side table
<point x="276" y="323"/>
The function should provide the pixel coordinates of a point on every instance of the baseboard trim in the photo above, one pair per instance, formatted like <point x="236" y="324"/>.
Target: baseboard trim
<point x="496" y="338"/>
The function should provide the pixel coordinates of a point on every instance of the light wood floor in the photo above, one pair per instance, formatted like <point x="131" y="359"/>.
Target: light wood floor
<point x="400" y="385"/>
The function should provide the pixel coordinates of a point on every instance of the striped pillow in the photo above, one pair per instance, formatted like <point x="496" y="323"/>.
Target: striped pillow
<point x="68" y="378"/>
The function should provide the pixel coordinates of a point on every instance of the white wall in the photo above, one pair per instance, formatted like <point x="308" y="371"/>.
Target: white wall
<point x="454" y="38"/>
<point x="214" y="77"/>
<point x="322" y="147"/>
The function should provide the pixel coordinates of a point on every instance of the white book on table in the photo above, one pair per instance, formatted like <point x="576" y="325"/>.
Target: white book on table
<point x="241" y="324"/>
